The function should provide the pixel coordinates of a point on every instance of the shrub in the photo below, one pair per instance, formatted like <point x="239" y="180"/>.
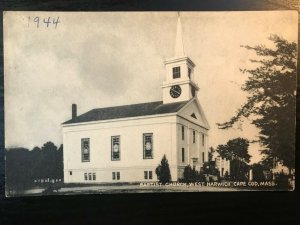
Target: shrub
<point x="282" y="181"/>
<point x="191" y="175"/>
<point x="163" y="171"/>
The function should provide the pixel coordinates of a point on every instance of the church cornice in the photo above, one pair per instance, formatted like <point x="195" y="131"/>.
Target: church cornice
<point x="185" y="58"/>
<point x="169" y="84"/>
<point x="119" y="120"/>
<point x="205" y="128"/>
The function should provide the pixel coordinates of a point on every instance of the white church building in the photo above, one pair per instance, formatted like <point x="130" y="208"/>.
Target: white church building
<point x="126" y="143"/>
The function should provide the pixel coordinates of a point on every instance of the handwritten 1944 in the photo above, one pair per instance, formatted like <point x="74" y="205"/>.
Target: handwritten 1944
<point x="44" y="22"/>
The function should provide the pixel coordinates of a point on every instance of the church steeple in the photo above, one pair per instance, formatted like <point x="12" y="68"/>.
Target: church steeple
<point x="179" y="48"/>
<point x="179" y="81"/>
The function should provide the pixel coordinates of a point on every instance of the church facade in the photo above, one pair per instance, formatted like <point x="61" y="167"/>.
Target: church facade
<point x="126" y="143"/>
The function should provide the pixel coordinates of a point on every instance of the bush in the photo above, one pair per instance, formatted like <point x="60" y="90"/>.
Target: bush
<point x="163" y="171"/>
<point x="210" y="168"/>
<point x="282" y="181"/>
<point x="226" y="176"/>
<point x="258" y="172"/>
<point x="191" y="175"/>
<point x="238" y="170"/>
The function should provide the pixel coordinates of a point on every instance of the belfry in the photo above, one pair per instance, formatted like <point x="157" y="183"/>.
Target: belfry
<point x="179" y="82"/>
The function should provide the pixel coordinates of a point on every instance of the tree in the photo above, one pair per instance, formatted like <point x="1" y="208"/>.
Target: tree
<point x="36" y="168"/>
<point x="258" y="172"/>
<point x="49" y="160"/>
<point x="271" y="103"/>
<point x="59" y="162"/>
<point x="17" y="165"/>
<point x="235" y="149"/>
<point x="211" y="154"/>
<point x="238" y="170"/>
<point x="23" y="167"/>
<point x="163" y="171"/>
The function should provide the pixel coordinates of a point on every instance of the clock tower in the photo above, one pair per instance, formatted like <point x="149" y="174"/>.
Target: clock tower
<point x="179" y="81"/>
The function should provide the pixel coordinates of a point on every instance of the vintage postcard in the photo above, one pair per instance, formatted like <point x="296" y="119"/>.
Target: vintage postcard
<point x="143" y="102"/>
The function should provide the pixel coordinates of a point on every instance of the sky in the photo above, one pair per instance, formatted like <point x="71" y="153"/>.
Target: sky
<point x="102" y="59"/>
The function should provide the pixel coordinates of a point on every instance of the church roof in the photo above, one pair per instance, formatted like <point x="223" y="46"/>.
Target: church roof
<point x="124" y="111"/>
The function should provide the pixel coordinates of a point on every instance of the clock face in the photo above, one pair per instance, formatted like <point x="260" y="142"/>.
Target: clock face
<point x="175" y="91"/>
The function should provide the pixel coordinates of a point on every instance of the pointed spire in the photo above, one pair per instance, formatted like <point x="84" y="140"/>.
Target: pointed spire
<point x="179" y="50"/>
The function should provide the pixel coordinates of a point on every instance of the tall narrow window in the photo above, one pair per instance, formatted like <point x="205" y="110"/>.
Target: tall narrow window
<point x="176" y="72"/>
<point x="146" y="175"/>
<point x="118" y="175"/>
<point x="90" y="176"/>
<point x="115" y="148"/>
<point x="113" y="175"/>
<point x="194" y="136"/>
<point x="203" y="139"/>
<point x="182" y="154"/>
<point x="85" y="149"/>
<point x="85" y="176"/>
<point x="150" y="175"/>
<point x="189" y="72"/>
<point x="94" y="176"/>
<point x="203" y="157"/>
<point x="182" y="132"/>
<point x="148" y="146"/>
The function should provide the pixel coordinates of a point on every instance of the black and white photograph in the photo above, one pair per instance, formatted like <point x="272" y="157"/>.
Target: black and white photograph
<point x="149" y="102"/>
